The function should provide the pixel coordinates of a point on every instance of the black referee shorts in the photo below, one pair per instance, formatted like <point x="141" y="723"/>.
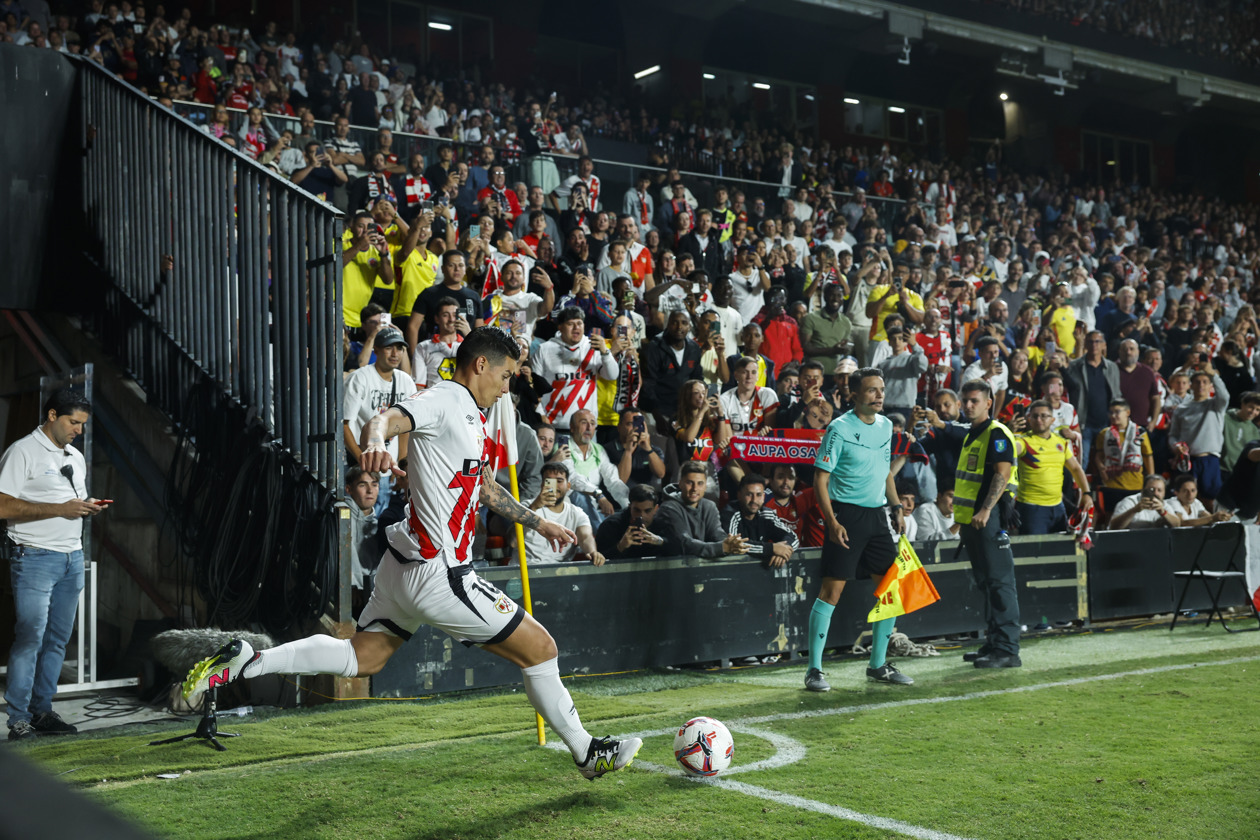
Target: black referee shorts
<point x="871" y="549"/>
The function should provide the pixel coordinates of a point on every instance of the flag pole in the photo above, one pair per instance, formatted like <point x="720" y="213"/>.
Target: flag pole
<point x="529" y="602"/>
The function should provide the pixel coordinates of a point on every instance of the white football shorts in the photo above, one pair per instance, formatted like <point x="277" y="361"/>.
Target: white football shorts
<point x="451" y="599"/>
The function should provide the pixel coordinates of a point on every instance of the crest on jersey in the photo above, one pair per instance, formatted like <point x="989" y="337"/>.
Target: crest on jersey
<point x="999" y="446"/>
<point x="504" y="604"/>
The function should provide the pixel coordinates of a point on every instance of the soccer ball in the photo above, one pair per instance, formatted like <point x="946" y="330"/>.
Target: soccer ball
<point x="703" y="747"/>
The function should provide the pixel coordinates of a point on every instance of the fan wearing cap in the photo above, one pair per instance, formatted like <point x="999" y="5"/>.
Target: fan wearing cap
<point x="372" y="389"/>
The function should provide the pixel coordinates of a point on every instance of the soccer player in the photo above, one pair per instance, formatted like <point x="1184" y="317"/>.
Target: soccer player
<point x="425" y="576"/>
<point x="852" y="480"/>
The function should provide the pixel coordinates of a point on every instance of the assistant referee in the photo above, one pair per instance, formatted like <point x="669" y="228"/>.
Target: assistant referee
<point x="852" y="481"/>
<point x="983" y="486"/>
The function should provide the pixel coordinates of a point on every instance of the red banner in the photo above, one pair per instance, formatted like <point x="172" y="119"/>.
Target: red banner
<point x="781" y="446"/>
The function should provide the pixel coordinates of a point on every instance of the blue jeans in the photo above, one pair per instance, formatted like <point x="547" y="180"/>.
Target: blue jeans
<point x="46" y="587"/>
<point x="1088" y="435"/>
<point x="1041" y="519"/>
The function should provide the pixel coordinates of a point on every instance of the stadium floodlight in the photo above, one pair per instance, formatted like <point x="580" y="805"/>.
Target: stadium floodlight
<point x="1003" y="96"/>
<point x="761" y="86"/>
<point x="895" y="110"/>
<point x="443" y="27"/>
<point x="848" y="100"/>
<point x="809" y="97"/>
<point x="710" y="76"/>
<point x="648" y="71"/>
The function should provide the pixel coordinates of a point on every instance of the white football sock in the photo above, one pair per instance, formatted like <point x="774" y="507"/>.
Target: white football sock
<point x="312" y="655"/>
<point x="551" y="699"/>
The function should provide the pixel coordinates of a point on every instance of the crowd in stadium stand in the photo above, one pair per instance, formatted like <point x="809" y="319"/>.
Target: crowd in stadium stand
<point x="1114" y="323"/>
<point x="1221" y="29"/>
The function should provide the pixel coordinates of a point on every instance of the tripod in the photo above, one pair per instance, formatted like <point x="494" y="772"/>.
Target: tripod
<point x="207" y="729"/>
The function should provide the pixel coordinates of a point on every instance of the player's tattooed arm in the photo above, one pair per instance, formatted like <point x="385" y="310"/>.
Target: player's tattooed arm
<point x="382" y="427"/>
<point x="501" y="502"/>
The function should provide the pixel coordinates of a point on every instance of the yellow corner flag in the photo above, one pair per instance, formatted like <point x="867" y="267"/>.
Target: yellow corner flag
<point x="905" y="588"/>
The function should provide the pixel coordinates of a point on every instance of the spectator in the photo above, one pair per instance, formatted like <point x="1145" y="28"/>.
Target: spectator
<point x="528" y="465"/>
<point x="782" y="333"/>
<point x="668" y="362"/>
<point x="344" y="151"/>
<point x="1185" y="505"/>
<point x="497" y="190"/>
<point x="749" y="409"/>
<point x="1145" y="510"/>
<point x="319" y="176"/>
<point x="1042" y="456"/>
<point x="908" y="497"/>
<point x="689" y="522"/>
<point x="638" y="458"/>
<point x="573" y="364"/>
<point x="516" y="309"/>
<point x="368" y="273"/>
<point x="749" y="282"/>
<point x="936" y="521"/>
<point x="639" y="204"/>
<point x="594" y="474"/>
<point x="795" y="505"/>
<point x="750" y="341"/>
<point x="373" y="186"/>
<point x="373" y="318"/>
<point x="901" y="372"/>
<point x="371" y="390"/>
<point x="627" y="533"/>
<point x="363" y="491"/>
<point x="434" y="358"/>
<point x="1239" y="430"/>
<point x="597" y="309"/>
<point x="423" y="322"/>
<point x="553" y="505"/>
<point x="524" y="225"/>
<point x="766" y="536"/>
<point x="704" y="245"/>
<point x="1199" y="425"/>
<point x="1139" y="385"/>
<point x="989" y="368"/>
<point x="1122" y="455"/>
<point x="825" y="333"/>
<point x="1093" y="381"/>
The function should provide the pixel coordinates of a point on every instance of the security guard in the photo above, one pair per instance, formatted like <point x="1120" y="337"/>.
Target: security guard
<point x="984" y="481"/>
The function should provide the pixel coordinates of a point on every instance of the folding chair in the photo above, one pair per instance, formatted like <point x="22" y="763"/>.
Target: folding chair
<point x="1220" y="536"/>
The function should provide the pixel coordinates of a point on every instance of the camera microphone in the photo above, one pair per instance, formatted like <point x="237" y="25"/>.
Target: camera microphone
<point x="68" y="472"/>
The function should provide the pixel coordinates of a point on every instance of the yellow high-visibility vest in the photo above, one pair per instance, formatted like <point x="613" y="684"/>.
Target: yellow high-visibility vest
<point x="970" y="472"/>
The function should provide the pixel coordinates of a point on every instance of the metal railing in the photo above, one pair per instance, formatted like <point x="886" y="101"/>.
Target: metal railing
<point x="616" y="177"/>
<point x="254" y="299"/>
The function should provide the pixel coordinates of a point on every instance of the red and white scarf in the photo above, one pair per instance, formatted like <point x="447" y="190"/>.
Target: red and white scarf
<point x="1122" y="450"/>
<point x="378" y="186"/>
<point x="416" y="190"/>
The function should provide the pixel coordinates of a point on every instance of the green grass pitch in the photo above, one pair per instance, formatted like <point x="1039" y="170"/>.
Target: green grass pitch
<point x="1125" y="734"/>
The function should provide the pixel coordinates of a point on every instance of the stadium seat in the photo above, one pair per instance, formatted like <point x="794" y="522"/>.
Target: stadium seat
<point x="1218" y="537"/>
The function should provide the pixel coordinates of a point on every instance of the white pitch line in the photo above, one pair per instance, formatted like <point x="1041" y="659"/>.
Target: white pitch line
<point x="792" y="751"/>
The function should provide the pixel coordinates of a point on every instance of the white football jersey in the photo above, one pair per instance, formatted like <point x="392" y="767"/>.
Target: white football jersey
<point x="448" y="449"/>
<point x="434" y="360"/>
<point x="572" y="372"/>
<point x="748" y="418"/>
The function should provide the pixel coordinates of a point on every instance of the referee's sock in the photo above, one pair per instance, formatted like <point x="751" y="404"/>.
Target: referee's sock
<point x="880" y="633"/>
<point x="819" y="624"/>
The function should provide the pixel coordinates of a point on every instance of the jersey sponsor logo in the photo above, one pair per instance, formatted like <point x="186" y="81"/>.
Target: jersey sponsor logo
<point x="471" y="468"/>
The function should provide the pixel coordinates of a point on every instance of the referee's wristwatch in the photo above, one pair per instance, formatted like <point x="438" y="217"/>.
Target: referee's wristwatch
<point x="895" y="508"/>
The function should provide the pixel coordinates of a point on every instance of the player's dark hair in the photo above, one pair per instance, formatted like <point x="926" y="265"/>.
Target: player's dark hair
<point x="692" y="467"/>
<point x="855" y="378"/>
<point x="978" y="385"/>
<point x="67" y="401"/>
<point x="643" y="493"/>
<point x="491" y="342"/>
<point x="570" y="313"/>
<point x="752" y="478"/>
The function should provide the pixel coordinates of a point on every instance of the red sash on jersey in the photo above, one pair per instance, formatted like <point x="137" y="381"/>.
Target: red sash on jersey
<point x="566" y="392"/>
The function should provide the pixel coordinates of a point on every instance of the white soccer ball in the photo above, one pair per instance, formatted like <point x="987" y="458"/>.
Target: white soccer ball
<point x="703" y="747"/>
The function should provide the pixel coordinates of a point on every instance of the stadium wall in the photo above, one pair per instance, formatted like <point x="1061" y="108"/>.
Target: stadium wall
<point x="676" y="611"/>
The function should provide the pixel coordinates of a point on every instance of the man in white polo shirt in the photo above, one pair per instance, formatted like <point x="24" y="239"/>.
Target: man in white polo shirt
<point x="43" y="495"/>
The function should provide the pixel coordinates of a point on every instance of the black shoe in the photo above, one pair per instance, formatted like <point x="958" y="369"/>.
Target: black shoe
<point x="50" y="723"/>
<point x="22" y="729"/>
<point x="999" y="660"/>
<point x="976" y="654"/>
<point x="888" y="673"/>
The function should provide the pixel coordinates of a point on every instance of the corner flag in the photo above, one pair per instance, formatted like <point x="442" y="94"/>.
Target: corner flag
<point x="905" y="588"/>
